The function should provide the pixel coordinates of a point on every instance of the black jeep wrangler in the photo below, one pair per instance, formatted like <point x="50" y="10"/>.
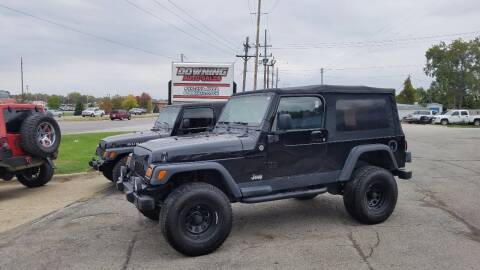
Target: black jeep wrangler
<point x="271" y="145"/>
<point x="174" y="120"/>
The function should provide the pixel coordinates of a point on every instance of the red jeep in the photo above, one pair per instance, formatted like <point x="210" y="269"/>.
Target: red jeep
<point x="29" y="141"/>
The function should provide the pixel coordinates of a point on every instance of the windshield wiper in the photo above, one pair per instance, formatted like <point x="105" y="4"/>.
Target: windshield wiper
<point x="223" y="122"/>
<point x="241" y="123"/>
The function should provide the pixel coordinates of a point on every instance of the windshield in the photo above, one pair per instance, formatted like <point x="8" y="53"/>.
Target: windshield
<point x="167" y="118"/>
<point x="246" y="110"/>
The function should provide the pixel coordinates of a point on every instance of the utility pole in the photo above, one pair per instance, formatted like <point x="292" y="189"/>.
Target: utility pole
<point x="21" y="75"/>
<point x="245" y="57"/>
<point x="257" y="41"/>
<point x="276" y="83"/>
<point x="182" y="56"/>
<point x="272" y="64"/>
<point x="321" y="72"/>
<point x="265" y="61"/>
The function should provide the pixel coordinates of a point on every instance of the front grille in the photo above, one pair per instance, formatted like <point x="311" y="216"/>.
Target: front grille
<point x="99" y="152"/>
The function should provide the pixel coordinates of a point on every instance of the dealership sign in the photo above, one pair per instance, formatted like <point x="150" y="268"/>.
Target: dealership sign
<point x="201" y="81"/>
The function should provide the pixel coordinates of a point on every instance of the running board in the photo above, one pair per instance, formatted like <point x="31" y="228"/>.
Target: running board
<point x="284" y="195"/>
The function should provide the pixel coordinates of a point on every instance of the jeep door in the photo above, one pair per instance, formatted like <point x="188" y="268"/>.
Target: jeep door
<point x="297" y="141"/>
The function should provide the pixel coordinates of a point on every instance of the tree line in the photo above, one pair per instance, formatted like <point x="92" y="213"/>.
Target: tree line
<point x="455" y="70"/>
<point x="80" y="102"/>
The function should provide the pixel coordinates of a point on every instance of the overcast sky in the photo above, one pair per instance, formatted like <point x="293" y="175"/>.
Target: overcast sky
<point x="117" y="47"/>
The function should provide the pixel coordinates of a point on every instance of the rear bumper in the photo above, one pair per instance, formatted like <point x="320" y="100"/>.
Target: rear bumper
<point x="20" y="163"/>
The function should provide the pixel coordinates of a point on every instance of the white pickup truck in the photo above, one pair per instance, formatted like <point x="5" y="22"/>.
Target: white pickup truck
<point x="458" y="117"/>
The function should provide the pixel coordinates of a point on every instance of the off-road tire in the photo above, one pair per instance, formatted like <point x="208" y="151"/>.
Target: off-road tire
<point x="444" y="122"/>
<point x="28" y="132"/>
<point x="107" y="170"/>
<point x="43" y="175"/>
<point x="117" y="168"/>
<point x="306" y="197"/>
<point x="152" y="214"/>
<point x="194" y="203"/>
<point x="358" y="198"/>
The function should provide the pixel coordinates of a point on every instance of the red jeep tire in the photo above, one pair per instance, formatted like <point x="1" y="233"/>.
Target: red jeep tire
<point x="40" y="135"/>
<point x="36" y="177"/>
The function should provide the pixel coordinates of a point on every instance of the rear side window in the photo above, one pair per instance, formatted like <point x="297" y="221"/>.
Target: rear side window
<point x="199" y="117"/>
<point x="464" y="113"/>
<point x="362" y="114"/>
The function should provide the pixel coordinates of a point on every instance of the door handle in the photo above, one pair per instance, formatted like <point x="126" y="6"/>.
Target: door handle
<point x="318" y="136"/>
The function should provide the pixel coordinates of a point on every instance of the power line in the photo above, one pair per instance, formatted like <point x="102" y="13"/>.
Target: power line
<point x="193" y="25"/>
<point x="84" y="32"/>
<point x="323" y="45"/>
<point x="174" y="26"/>
<point x="201" y="23"/>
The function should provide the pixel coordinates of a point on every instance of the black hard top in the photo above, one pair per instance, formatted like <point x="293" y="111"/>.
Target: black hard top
<point x="216" y="104"/>
<point x="314" y="89"/>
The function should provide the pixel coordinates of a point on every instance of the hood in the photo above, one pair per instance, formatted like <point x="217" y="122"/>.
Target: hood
<point x="131" y="139"/>
<point x="197" y="147"/>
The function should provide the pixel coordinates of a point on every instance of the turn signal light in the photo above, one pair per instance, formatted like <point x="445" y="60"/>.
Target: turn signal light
<point x="113" y="155"/>
<point x="161" y="175"/>
<point x="149" y="172"/>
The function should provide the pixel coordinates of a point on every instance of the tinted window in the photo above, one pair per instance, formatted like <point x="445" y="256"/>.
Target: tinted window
<point x="199" y="117"/>
<point x="305" y="112"/>
<point x="454" y="113"/>
<point x="464" y="113"/>
<point x="362" y="114"/>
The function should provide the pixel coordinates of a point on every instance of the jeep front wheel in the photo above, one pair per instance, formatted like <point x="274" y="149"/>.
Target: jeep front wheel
<point x="196" y="218"/>
<point x="370" y="197"/>
<point x="36" y="177"/>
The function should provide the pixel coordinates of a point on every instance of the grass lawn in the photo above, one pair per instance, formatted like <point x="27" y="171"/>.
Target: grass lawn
<point x="76" y="150"/>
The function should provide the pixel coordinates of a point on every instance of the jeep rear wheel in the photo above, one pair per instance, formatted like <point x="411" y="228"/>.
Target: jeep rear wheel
<point x="36" y="177"/>
<point x="476" y="122"/>
<point x="370" y="197"/>
<point x="196" y="218"/>
<point x="40" y="135"/>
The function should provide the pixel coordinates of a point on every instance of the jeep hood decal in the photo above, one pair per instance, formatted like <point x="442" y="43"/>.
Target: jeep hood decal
<point x="196" y="147"/>
<point x="131" y="139"/>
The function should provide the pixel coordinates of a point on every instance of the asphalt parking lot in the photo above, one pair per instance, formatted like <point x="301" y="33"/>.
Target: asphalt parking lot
<point x="436" y="225"/>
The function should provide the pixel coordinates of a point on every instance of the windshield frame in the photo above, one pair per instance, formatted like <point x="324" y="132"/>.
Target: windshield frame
<point x="264" y="117"/>
<point x="169" y="127"/>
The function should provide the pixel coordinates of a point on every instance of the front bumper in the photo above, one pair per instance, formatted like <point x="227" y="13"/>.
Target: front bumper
<point x="96" y="164"/>
<point x="136" y="191"/>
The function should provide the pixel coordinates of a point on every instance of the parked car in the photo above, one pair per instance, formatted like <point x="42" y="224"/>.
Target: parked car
<point x="120" y="115"/>
<point x="270" y="145"/>
<point x="459" y="117"/>
<point x="420" y="117"/>
<point x="54" y="113"/>
<point x="173" y="120"/>
<point x="30" y="140"/>
<point x="92" y="112"/>
<point x="137" y="111"/>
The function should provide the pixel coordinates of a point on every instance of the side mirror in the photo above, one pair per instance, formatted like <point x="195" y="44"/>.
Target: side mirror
<point x="284" y="121"/>
<point x="186" y="123"/>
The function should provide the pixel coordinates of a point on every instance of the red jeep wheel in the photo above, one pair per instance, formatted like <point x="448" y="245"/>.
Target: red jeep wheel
<point x="36" y="177"/>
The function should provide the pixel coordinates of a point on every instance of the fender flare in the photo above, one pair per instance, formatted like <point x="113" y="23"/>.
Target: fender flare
<point x="355" y="154"/>
<point x="173" y="169"/>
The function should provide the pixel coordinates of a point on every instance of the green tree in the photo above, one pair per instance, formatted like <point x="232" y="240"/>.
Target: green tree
<point x="78" y="108"/>
<point x="117" y="102"/>
<point x="455" y="68"/>
<point x="407" y="95"/>
<point x="53" y="102"/>
<point x="106" y="104"/>
<point x="129" y="102"/>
